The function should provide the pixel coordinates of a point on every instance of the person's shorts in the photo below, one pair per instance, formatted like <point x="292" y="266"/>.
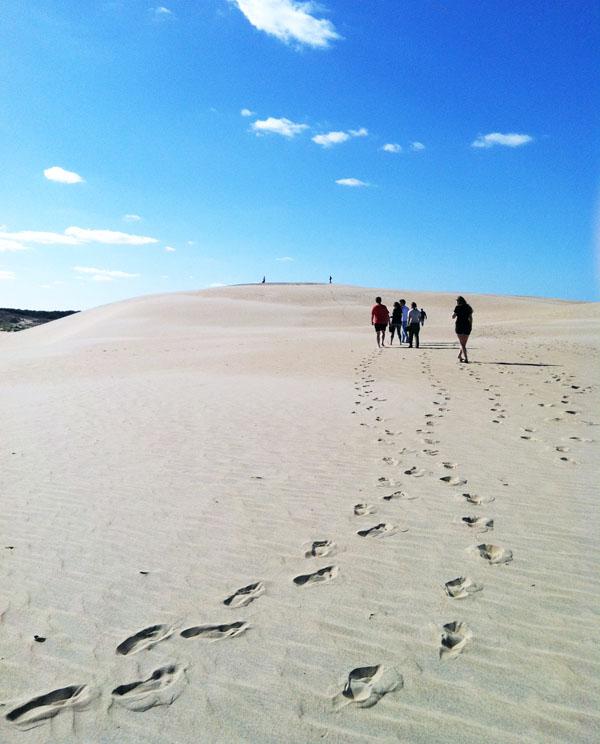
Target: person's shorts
<point x="380" y="326"/>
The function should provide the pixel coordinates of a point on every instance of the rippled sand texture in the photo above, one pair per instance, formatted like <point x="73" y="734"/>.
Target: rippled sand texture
<point x="226" y="516"/>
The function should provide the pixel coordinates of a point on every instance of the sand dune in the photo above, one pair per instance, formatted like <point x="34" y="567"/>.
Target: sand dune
<point x="228" y="517"/>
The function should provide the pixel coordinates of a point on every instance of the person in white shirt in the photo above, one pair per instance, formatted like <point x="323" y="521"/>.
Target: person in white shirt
<point x="414" y="325"/>
<point x="404" y="321"/>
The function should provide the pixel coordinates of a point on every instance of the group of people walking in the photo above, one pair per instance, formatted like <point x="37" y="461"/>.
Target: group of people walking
<point x="406" y="323"/>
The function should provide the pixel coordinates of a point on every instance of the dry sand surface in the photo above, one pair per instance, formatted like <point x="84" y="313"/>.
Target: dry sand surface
<point x="227" y="517"/>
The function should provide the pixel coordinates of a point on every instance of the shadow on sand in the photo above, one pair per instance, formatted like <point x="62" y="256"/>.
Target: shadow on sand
<point x="519" y="364"/>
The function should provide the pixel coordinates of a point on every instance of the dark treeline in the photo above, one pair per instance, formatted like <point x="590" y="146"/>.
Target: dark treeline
<point x="13" y="319"/>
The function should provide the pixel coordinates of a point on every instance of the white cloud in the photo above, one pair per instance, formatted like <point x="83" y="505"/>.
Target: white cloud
<point x="417" y="146"/>
<point x="392" y="147"/>
<point x="191" y="242"/>
<point x="132" y="218"/>
<point x="56" y="173"/>
<point x="353" y="182"/>
<point x="334" y="138"/>
<point x="103" y="275"/>
<point x="285" y="258"/>
<point x="331" y="138"/>
<point x="247" y="112"/>
<point x="7" y="275"/>
<point x="11" y="246"/>
<point x="76" y="236"/>
<point x="162" y="12"/>
<point x="284" y="127"/>
<point x="169" y="249"/>
<point x="289" y="21"/>
<point x="108" y="237"/>
<point x="497" y="138"/>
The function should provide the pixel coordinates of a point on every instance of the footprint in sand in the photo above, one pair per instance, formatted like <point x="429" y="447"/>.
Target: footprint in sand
<point x="478" y="524"/>
<point x="361" y="509"/>
<point x="415" y="472"/>
<point x="449" y="465"/>
<point x="562" y="449"/>
<point x="462" y="587"/>
<point x="162" y="687"/>
<point x="431" y="452"/>
<point x="493" y="554"/>
<point x="399" y="495"/>
<point x="144" y="639"/>
<point x="390" y="460"/>
<point x="453" y="480"/>
<point x="215" y="632"/>
<point x="245" y="595"/>
<point x="321" y="548"/>
<point x="382" y="529"/>
<point x="455" y="636"/>
<point x="41" y="708"/>
<point x="321" y="576"/>
<point x="367" y="685"/>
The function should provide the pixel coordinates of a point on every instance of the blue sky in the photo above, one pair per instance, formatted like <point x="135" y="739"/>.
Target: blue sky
<point x="420" y="144"/>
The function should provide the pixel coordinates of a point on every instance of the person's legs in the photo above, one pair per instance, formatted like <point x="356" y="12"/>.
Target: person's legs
<point x="463" y="338"/>
<point x="404" y="333"/>
<point x="392" y="329"/>
<point x="383" y="336"/>
<point x="411" y="332"/>
<point x="417" y="328"/>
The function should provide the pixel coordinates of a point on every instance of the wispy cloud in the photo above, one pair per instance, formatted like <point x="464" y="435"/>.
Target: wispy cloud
<point x="284" y="127"/>
<point x="289" y="21"/>
<point x="169" y="249"/>
<point x="103" y="275"/>
<point x="132" y="218"/>
<point x="247" y="112"/>
<point x="6" y="275"/>
<point x="161" y="12"/>
<point x="75" y="236"/>
<point x="392" y="147"/>
<point x="60" y="175"/>
<point x="335" y="138"/>
<point x="417" y="146"/>
<point x="10" y="246"/>
<point x="497" y="138"/>
<point x="285" y="258"/>
<point x="352" y="182"/>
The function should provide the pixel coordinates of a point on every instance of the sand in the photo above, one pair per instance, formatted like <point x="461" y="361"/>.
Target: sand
<point x="228" y="517"/>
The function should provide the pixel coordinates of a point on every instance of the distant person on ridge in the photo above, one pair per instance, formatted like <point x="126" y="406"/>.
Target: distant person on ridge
<point x="264" y="279"/>
<point x="330" y="279"/>
<point x="414" y="325"/>
<point x="404" y="320"/>
<point x="463" y="312"/>
<point x="396" y="323"/>
<point x="423" y="316"/>
<point x="380" y="317"/>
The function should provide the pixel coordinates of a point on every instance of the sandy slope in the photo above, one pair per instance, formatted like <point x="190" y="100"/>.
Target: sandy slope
<point x="162" y="453"/>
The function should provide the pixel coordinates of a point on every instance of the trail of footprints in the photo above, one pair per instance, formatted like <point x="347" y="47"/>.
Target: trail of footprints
<point x="455" y="635"/>
<point x="364" y="686"/>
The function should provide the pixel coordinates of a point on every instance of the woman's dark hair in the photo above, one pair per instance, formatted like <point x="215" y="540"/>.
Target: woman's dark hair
<point x="413" y="304"/>
<point x="378" y="299"/>
<point x="396" y="304"/>
<point x="461" y="300"/>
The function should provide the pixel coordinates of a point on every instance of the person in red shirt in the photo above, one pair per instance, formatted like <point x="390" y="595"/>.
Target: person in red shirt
<point x="380" y="317"/>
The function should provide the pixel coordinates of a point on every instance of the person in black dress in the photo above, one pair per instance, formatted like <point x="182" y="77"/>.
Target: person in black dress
<point x="396" y="323"/>
<point x="463" y="312"/>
